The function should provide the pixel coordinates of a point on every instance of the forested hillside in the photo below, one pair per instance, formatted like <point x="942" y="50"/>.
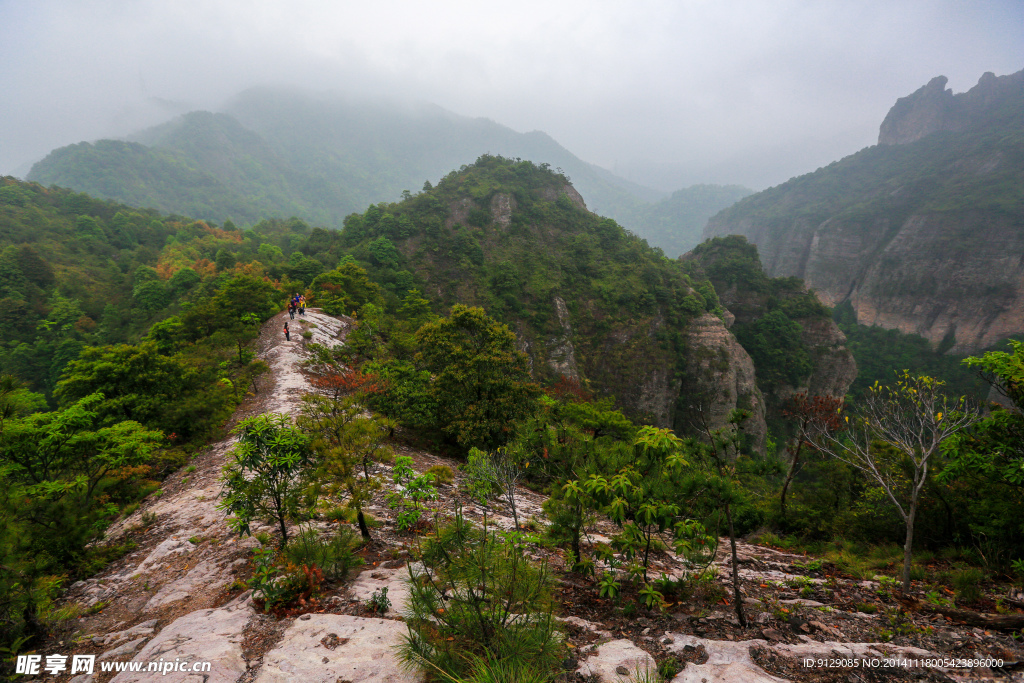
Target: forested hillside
<point x="676" y="223"/>
<point x="275" y="153"/>
<point x="925" y="237"/>
<point x="490" y="322"/>
<point x="587" y="300"/>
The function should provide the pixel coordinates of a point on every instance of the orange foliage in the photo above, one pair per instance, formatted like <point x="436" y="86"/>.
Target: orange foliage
<point x="568" y="389"/>
<point x="205" y="267"/>
<point x="229" y="236"/>
<point x="254" y="268"/>
<point x="337" y="385"/>
<point x="85" y="324"/>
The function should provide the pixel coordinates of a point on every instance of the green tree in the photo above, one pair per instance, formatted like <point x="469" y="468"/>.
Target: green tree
<point x="775" y="345"/>
<point x="268" y="474"/>
<point x="346" y="443"/>
<point x="343" y="290"/>
<point x="224" y="260"/>
<point x="183" y="280"/>
<point x="641" y="497"/>
<point x="247" y="294"/>
<point x="141" y="384"/>
<point x="481" y="383"/>
<point x="988" y="458"/>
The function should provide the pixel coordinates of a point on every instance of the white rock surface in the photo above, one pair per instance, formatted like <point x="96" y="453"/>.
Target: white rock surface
<point x="206" y="574"/>
<point x="337" y="647"/>
<point x="208" y="635"/>
<point x="395" y="580"/>
<point x="831" y="649"/>
<point x="616" y="661"/>
<point x="175" y="545"/>
<point x="120" y="651"/>
<point x="728" y="662"/>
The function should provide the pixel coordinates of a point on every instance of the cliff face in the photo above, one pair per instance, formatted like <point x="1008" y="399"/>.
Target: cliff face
<point x="793" y="344"/>
<point x="926" y="237"/>
<point x="720" y="378"/>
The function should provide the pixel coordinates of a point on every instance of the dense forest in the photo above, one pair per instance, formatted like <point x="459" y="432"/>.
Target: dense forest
<point x="494" y="318"/>
<point x="275" y="153"/>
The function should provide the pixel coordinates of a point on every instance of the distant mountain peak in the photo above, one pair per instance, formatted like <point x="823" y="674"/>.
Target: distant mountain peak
<point x="932" y="108"/>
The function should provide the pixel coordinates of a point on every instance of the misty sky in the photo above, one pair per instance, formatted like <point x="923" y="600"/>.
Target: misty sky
<point x="662" y="92"/>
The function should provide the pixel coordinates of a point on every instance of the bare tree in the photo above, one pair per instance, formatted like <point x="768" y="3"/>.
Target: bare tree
<point x="507" y="473"/>
<point x="913" y="417"/>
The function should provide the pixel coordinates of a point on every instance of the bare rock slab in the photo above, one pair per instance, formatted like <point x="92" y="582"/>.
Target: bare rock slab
<point x="337" y="647"/>
<point x="616" y="661"/>
<point x="727" y="662"/>
<point x="208" y="635"/>
<point x="204" y="575"/>
<point x="396" y="580"/>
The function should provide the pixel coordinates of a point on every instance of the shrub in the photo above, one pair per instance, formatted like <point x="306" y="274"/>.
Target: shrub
<point x="415" y="490"/>
<point x="478" y="599"/>
<point x="442" y="474"/>
<point x="266" y="475"/>
<point x="334" y="554"/>
<point x="379" y="602"/>
<point x="479" y="477"/>
<point x="967" y="583"/>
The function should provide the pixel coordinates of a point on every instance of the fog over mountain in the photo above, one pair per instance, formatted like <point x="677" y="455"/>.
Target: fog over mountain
<point x="665" y="94"/>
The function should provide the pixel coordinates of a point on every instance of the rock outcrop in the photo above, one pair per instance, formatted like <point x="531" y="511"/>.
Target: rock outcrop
<point x="933" y="108"/>
<point x="719" y="379"/>
<point x="922" y="236"/>
<point x="834" y="367"/>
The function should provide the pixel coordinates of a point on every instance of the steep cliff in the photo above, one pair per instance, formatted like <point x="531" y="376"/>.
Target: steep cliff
<point x="925" y="237"/>
<point x="719" y="379"/>
<point x="793" y="342"/>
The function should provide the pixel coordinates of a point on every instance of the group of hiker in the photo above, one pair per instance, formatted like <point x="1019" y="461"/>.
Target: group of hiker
<point x="296" y="304"/>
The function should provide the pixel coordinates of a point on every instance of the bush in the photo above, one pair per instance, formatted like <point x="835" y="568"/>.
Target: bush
<point x="479" y="477"/>
<point x="967" y="583"/>
<point x="479" y="602"/>
<point x="334" y="555"/>
<point x="415" y="490"/>
<point x="442" y="474"/>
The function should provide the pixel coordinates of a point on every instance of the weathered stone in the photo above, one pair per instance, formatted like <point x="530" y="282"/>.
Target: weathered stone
<point x="209" y="635"/>
<point x="394" y="579"/>
<point x="333" y="647"/>
<point x="616" y="661"/>
<point x="720" y="376"/>
<point x="728" y="662"/>
<point x="121" y="650"/>
<point x="204" y="574"/>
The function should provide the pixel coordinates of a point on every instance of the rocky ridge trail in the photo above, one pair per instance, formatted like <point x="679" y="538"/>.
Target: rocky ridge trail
<point x="178" y="596"/>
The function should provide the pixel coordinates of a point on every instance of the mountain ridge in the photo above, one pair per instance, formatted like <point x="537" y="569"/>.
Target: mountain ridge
<point x="926" y="237"/>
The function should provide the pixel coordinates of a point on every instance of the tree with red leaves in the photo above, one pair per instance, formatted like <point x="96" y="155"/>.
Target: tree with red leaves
<point x="813" y="416"/>
<point x="338" y="383"/>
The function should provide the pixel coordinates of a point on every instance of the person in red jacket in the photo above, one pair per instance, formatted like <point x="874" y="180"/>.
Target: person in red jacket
<point x="287" y="334"/>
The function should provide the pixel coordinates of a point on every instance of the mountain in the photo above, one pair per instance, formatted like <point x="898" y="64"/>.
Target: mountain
<point x="277" y="152"/>
<point x="588" y="300"/>
<point x="675" y="223"/>
<point x="923" y="233"/>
